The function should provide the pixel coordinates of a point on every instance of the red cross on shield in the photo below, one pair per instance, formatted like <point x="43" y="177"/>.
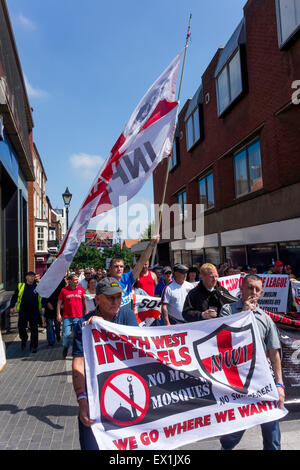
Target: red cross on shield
<point x="227" y="356"/>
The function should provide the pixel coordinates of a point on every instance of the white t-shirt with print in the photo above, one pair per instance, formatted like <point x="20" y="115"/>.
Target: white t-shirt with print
<point x="174" y="296"/>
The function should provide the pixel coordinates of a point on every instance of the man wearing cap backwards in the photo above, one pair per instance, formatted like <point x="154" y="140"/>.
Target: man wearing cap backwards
<point x="174" y="296"/>
<point x="108" y="299"/>
<point x="207" y="298"/>
<point x="29" y="306"/>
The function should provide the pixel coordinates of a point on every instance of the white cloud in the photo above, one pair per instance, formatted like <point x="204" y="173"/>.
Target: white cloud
<point x="34" y="92"/>
<point x="88" y="165"/>
<point x="26" y="23"/>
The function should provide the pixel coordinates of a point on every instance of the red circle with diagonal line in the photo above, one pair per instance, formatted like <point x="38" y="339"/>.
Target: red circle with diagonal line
<point x="110" y="386"/>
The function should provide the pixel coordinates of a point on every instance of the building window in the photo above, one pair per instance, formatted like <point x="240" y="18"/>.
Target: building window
<point x="247" y="169"/>
<point x="40" y="239"/>
<point x="288" y="19"/>
<point x="192" y="127"/>
<point x="229" y="82"/>
<point x="206" y="191"/>
<point x="175" y="155"/>
<point x="40" y="233"/>
<point x="181" y="199"/>
<point x="52" y="234"/>
<point x="40" y="245"/>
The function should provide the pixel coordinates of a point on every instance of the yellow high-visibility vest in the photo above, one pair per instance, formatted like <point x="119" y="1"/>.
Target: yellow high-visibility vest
<point x="21" y="287"/>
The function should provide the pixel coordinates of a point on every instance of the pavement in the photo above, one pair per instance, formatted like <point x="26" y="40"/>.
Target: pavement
<point x="38" y="408"/>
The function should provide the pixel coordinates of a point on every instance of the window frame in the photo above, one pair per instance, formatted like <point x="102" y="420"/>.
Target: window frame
<point x="184" y="200"/>
<point x="205" y="177"/>
<point x="191" y="117"/>
<point x="175" y="164"/>
<point x="229" y="87"/>
<point x="283" y="42"/>
<point x="245" y="149"/>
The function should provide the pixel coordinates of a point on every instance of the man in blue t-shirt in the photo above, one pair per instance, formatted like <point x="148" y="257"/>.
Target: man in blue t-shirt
<point x="108" y="299"/>
<point x="126" y="280"/>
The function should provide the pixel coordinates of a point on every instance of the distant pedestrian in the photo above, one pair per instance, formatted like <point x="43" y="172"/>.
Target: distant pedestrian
<point x="53" y="326"/>
<point x="87" y="276"/>
<point x="174" y="296"/>
<point x="193" y="275"/>
<point x="29" y="306"/>
<point x="72" y="298"/>
<point x="164" y="281"/>
<point x="90" y="293"/>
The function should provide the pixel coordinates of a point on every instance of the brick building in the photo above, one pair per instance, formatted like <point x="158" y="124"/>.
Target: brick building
<point x="16" y="168"/>
<point x="237" y="146"/>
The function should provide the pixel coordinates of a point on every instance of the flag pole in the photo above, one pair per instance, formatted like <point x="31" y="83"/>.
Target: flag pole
<point x="169" y="158"/>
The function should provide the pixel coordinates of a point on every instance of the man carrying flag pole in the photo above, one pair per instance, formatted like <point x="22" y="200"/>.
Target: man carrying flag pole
<point x="146" y="139"/>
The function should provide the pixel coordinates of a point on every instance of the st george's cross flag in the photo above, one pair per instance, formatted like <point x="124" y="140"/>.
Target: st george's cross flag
<point x="146" y="139"/>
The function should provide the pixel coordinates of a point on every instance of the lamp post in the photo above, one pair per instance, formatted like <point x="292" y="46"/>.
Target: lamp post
<point x="67" y="196"/>
<point x="119" y="233"/>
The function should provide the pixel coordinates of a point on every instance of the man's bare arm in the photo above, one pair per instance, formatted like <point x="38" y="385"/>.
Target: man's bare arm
<point x="144" y="257"/>
<point x="165" y="314"/>
<point x="276" y="366"/>
<point x="78" y="374"/>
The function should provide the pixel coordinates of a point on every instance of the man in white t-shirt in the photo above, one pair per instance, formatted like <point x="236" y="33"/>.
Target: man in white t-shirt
<point x="174" y="296"/>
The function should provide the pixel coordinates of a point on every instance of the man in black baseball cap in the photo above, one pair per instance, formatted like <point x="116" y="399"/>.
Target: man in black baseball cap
<point x="108" y="299"/>
<point x="28" y="304"/>
<point x="181" y="268"/>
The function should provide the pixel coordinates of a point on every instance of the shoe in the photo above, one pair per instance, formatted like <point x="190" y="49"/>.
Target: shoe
<point x="23" y="345"/>
<point x="65" y="353"/>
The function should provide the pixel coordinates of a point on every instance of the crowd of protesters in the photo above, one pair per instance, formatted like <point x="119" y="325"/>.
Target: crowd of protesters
<point x="188" y="294"/>
<point x="75" y="295"/>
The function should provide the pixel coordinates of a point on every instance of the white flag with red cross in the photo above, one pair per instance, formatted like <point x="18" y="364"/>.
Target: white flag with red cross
<point x="146" y="139"/>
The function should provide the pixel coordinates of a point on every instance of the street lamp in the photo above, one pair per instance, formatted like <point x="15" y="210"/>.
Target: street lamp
<point x="119" y="233"/>
<point x="67" y="196"/>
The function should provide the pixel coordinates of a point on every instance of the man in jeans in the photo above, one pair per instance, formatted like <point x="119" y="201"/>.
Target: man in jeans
<point x="250" y="293"/>
<point x="72" y="298"/>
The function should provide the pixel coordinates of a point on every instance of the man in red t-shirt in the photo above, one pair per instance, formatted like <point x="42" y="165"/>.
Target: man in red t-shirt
<point x="72" y="299"/>
<point x="147" y="280"/>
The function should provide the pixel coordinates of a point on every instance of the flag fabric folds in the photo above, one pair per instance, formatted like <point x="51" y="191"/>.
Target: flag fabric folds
<point x="146" y="139"/>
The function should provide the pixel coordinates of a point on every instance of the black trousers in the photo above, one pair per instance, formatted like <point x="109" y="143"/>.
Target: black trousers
<point x="31" y="318"/>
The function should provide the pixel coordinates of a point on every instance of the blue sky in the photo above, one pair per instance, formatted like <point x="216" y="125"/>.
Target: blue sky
<point x="87" y="65"/>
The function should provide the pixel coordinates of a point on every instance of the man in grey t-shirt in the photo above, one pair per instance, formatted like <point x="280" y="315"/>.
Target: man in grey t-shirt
<point x="250" y="293"/>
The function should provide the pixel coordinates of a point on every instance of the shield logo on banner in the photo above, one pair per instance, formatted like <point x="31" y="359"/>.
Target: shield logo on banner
<point x="227" y="356"/>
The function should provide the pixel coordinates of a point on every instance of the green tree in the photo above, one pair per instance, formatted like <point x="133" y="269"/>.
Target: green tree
<point x="92" y="257"/>
<point x="148" y="232"/>
<point x="87" y="256"/>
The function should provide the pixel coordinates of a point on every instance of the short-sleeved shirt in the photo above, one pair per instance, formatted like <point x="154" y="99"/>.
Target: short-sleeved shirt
<point x="267" y="328"/>
<point x="174" y="296"/>
<point x="73" y="301"/>
<point x="125" y="316"/>
<point x="126" y="283"/>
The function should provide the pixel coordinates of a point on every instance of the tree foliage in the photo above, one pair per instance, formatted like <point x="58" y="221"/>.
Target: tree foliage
<point x="87" y="256"/>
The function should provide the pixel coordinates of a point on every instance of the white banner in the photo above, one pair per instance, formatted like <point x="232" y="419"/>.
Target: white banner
<point x="232" y="283"/>
<point x="275" y="287"/>
<point x="162" y="388"/>
<point x="296" y="294"/>
<point x="146" y="308"/>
